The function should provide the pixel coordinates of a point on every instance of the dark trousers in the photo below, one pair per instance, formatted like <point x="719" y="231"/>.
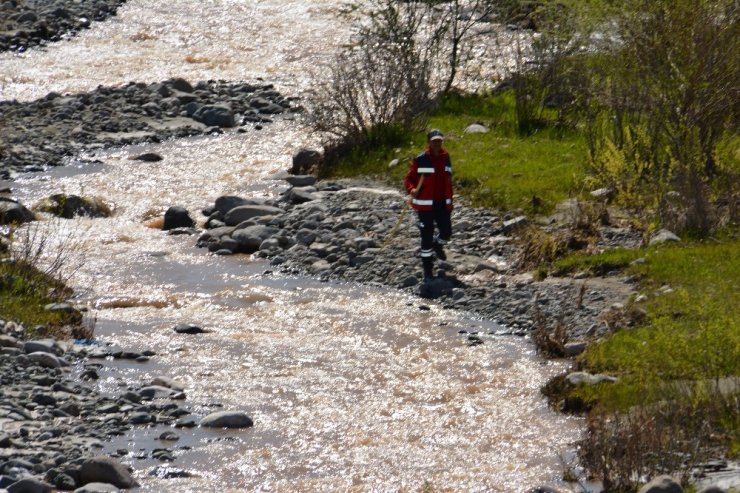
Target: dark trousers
<point x="427" y="219"/>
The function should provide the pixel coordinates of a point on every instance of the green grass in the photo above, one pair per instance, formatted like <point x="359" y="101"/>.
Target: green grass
<point x="23" y="294"/>
<point x="500" y="169"/>
<point x="692" y="332"/>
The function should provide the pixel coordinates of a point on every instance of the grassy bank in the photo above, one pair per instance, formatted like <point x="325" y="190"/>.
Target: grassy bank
<point x="25" y="291"/>
<point x="499" y="169"/>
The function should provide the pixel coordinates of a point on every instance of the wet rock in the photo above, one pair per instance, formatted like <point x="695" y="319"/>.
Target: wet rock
<point x="70" y="206"/>
<point x="12" y="212"/>
<point x="177" y="217"/>
<point x="306" y="161"/>
<point x="189" y="329"/>
<point x="227" y="419"/>
<point x="148" y="157"/>
<point x="107" y="470"/>
<point x="215" y="115"/>
<point x="662" y="484"/>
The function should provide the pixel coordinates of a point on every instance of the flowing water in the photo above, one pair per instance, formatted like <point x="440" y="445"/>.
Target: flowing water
<point x="350" y="387"/>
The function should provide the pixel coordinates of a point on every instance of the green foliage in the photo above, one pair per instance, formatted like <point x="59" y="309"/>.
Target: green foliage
<point x="692" y="331"/>
<point x="496" y="169"/>
<point x="24" y="291"/>
<point x="611" y="260"/>
<point x="667" y="98"/>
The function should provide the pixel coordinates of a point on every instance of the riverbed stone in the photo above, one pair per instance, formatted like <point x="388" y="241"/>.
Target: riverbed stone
<point x="188" y="329"/>
<point x="177" y="217"/>
<point x="29" y="485"/>
<point x="107" y="470"/>
<point x="243" y="213"/>
<point x="97" y="488"/>
<point x="227" y="419"/>
<point x="12" y="212"/>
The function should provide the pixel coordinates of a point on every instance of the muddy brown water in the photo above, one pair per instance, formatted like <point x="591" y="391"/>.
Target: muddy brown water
<point x="350" y="387"/>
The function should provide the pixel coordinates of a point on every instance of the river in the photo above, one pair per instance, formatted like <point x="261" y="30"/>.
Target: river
<point x="351" y="388"/>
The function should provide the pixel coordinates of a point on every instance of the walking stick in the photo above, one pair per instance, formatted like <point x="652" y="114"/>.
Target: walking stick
<point x="401" y="216"/>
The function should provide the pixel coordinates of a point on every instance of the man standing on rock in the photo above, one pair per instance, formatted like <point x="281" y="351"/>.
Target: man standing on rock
<point x="429" y="183"/>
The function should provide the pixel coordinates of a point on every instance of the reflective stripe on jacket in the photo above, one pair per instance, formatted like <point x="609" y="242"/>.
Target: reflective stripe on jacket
<point x="437" y="184"/>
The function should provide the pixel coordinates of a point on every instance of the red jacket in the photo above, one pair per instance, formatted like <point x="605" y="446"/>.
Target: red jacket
<point x="437" y="184"/>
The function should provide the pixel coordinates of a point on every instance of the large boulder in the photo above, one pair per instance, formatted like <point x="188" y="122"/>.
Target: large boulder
<point x="245" y="212"/>
<point x="306" y="161"/>
<point x="107" y="470"/>
<point x="177" y="217"/>
<point x="12" y="212"/>
<point x="69" y="206"/>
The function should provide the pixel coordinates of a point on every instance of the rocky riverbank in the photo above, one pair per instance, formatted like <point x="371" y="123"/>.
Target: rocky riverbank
<point x="363" y="232"/>
<point x="53" y="423"/>
<point x="49" y="131"/>
<point x="28" y="23"/>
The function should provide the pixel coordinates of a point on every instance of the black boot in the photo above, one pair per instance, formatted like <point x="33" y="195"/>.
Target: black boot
<point x="439" y="251"/>
<point x="428" y="269"/>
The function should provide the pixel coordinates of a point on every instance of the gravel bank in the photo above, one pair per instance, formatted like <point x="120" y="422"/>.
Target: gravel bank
<point x="28" y="23"/>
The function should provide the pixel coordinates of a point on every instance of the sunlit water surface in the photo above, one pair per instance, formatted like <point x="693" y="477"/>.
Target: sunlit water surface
<point x="350" y="388"/>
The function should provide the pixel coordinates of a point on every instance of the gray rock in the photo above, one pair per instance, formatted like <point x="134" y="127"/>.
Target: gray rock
<point x="107" y="470"/>
<point x="215" y="115"/>
<point x="225" y="203"/>
<point x="29" y="485"/>
<point x="97" y="488"/>
<point x="157" y="392"/>
<point x="662" y="484"/>
<point x="575" y="348"/>
<point x="301" y="180"/>
<point x="476" y="128"/>
<point x="305" y="236"/>
<point x="515" y="223"/>
<point x="45" y="360"/>
<point x="602" y="193"/>
<point x="42" y="345"/>
<point x="300" y="195"/>
<point x="663" y="236"/>
<point x="251" y="237"/>
<point x="580" y="377"/>
<point x="245" y="212"/>
<point x="148" y="157"/>
<point x="227" y="419"/>
<point x="177" y="217"/>
<point x="167" y="382"/>
<point x="188" y="329"/>
<point x="14" y="213"/>
<point x="9" y="341"/>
